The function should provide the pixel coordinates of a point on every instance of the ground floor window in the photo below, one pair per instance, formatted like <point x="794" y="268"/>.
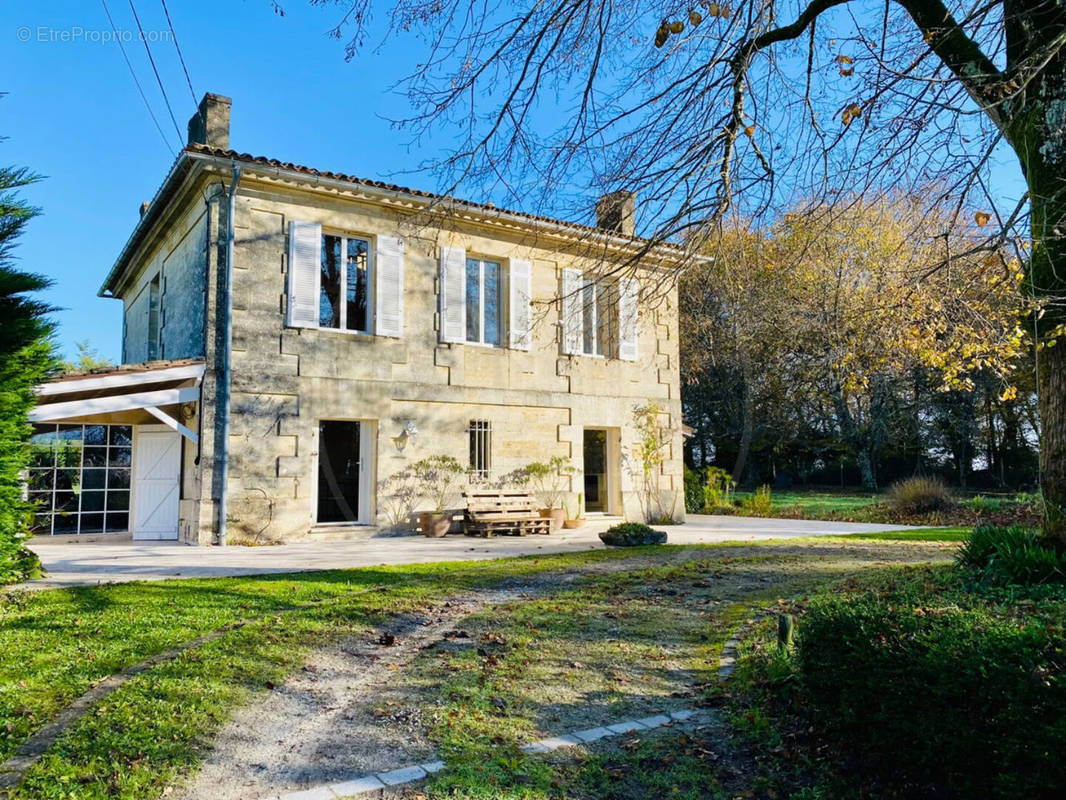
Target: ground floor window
<point x="340" y="470"/>
<point x="79" y="478"/>
<point x="480" y="449"/>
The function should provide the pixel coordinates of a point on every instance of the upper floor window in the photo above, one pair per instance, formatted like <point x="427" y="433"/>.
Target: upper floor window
<point x="599" y="315"/>
<point x="342" y="282"/>
<point x="483" y="302"/>
<point x="154" y="349"/>
<point x="344" y="291"/>
<point x="598" y="319"/>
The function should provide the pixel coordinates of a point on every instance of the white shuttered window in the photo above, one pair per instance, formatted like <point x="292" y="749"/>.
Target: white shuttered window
<point x="571" y="311"/>
<point x="452" y="294"/>
<point x="390" y="287"/>
<point x="628" y="295"/>
<point x="599" y="316"/>
<point x="343" y="282"/>
<point x="520" y="316"/>
<point x="305" y="241"/>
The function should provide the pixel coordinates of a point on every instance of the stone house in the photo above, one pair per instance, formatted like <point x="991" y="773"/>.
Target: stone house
<point x="367" y="326"/>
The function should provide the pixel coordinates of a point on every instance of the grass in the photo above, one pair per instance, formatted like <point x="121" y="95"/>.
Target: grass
<point x="625" y="631"/>
<point x="949" y="534"/>
<point x="853" y="506"/>
<point x="815" y="503"/>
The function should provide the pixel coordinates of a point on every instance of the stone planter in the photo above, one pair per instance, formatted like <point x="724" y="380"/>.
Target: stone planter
<point x="556" y="515"/>
<point x="573" y="523"/>
<point x="434" y="525"/>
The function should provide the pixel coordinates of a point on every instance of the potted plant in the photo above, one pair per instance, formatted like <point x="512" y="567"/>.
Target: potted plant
<point x="548" y="481"/>
<point x="573" y="520"/>
<point x="440" y="478"/>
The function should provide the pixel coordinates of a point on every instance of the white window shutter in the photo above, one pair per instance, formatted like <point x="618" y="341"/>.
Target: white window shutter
<point x="520" y="294"/>
<point x="452" y="294"/>
<point x="388" y="287"/>
<point x="628" y="290"/>
<point x="573" y="297"/>
<point x="305" y="273"/>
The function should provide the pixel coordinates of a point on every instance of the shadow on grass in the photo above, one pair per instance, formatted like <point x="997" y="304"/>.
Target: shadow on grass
<point x="605" y="641"/>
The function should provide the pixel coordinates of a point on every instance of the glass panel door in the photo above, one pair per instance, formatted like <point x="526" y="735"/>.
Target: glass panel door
<point x="595" y="452"/>
<point x="339" y="471"/>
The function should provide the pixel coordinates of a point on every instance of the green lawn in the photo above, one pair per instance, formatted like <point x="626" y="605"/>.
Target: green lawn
<point x="954" y="534"/>
<point x="811" y="505"/>
<point x="609" y="634"/>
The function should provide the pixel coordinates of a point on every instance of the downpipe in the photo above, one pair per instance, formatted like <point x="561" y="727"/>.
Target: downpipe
<point x="227" y="353"/>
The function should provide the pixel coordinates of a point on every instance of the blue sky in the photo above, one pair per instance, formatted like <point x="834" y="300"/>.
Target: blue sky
<point x="72" y="113"/>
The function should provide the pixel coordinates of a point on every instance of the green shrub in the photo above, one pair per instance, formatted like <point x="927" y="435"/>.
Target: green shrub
<point x="1035" y="499"/>
<point x="718" y="488"/>
<point x="693" y="491"/>
<point x="920" y="495"/>
<point x="1011" y="555"/>
<point x="760" y="502"/>
<point x="631" y="534"/>
<point x="937" y="701"/>
<point x="984" y="505"/>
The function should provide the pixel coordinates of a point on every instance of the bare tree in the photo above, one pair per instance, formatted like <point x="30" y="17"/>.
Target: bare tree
<point x="702" y="107"/>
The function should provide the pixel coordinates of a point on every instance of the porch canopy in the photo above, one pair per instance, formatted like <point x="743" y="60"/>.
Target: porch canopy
<point x="132" y="394"/>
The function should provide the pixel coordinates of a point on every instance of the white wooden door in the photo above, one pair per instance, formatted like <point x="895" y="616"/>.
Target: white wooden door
<point x="156" y="474"/>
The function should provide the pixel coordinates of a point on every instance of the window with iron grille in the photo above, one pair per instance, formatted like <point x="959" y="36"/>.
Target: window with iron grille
<point x="480" y="449"/>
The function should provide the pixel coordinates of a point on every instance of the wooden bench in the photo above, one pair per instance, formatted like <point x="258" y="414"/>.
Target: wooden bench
<point x="491" y="512"/>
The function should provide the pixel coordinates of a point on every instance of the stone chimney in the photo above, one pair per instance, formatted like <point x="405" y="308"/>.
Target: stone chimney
<point x="210" y="124"/>
<point x="616" y="212"/>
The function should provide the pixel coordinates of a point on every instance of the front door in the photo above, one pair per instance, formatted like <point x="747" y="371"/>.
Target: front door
<point x="340" y="472"/>
<point x="596" y="472"/>
<point x="156" y="478"/>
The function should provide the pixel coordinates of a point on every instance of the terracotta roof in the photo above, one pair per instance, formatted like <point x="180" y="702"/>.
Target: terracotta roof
<point x="125" y="369"/>
<point x="188" y="155"/>
<point x="262" y="161"/>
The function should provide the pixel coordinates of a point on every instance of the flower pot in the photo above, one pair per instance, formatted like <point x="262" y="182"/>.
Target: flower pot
<point x="556" y="515"/>
<point x="434" y="525"/>
<point x="573" y="523"/>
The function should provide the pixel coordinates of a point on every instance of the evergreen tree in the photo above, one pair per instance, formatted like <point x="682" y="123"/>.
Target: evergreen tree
<point x="26" y="359"/>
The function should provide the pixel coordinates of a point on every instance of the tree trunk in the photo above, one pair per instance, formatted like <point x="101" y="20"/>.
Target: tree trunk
<point x="1053" y="440"/>
<point x="1036" y="130"/>
<point x="866" y="468"/>
<point x="747" y="409"/>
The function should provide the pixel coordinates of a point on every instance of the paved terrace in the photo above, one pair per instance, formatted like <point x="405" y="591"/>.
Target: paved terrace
<point x="90" y="563"/>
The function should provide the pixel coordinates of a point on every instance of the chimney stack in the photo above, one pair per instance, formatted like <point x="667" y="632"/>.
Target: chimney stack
<point x="616" y="212"/>
<point x="210" y="124"/>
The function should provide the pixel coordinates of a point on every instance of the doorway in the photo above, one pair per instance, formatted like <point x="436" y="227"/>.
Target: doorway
<point x="343" y="450"/>
<point x="597" y="474"/>
<point x="156" y="478"/>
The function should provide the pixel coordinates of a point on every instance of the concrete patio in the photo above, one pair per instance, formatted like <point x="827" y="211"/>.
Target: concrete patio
<point x="91" y="563"/>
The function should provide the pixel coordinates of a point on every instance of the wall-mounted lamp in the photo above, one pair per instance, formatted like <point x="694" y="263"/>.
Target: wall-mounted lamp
<point x="401" y="440"/>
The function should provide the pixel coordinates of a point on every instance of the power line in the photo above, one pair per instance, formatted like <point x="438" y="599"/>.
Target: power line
<point x="147" y="105"/>
<point x="148" y="50"/>
<point x="174" y="37"/>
